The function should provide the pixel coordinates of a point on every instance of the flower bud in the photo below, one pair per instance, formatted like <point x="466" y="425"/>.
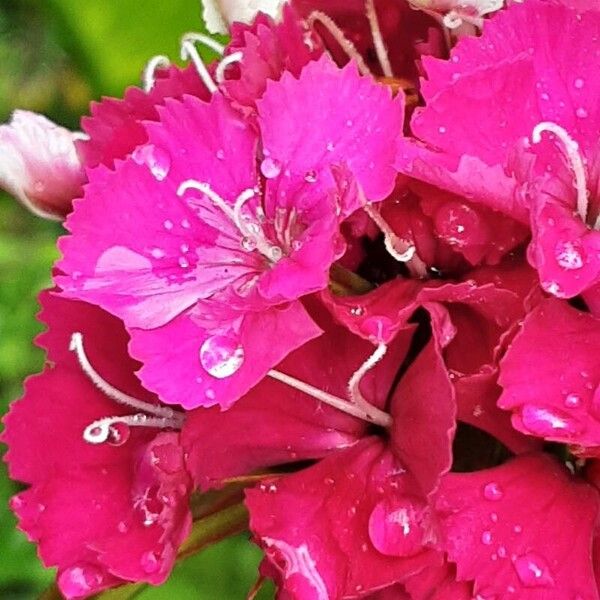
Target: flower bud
<point x="220" y="14"/>
<point x="39" y="164"/>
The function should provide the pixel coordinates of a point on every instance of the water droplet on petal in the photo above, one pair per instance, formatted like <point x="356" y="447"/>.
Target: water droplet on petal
<point x="357" y="311"/>
<point x="378" y="329"/>
<point x="221" y="356"/>
<point x="492" y="491"/>
<point x="310" y="176"/>
<point x="546" y="422"/>
<point x="486" y="538"/>
<point x="581" y="112"/>
<point x="533" y="571"/>
<point x="270" y="168"/>
<point x="122" y="527"/>
<point x="220" y="154"/>
<point x="118" y="434"/>
<point x="248" y="244"/>
<point x="157" y="253"/>
<point x="569" y="256"/>
<point x="578" y="83"/>
<point x="80" y="580"/>
<point x="168" y="225"/>
<point x="155" y="158"/>
<point x="573" y="401"/>
<point x="150" y="562"/>
<point x="442" y="129"/>
<point x="396" y="526"/>
<point x="275" y="253"/>
<point x="330" y="146"/>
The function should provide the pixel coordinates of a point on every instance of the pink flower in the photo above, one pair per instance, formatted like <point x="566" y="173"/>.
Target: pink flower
<point x="40" y="166"/>
<point x="108" y="494"/>
<point x="561" y="402"/>
<point x="476" y="126"/>
<point x="362" y="520"/>
<point x="523" y="529"/>
<point x="205" y="237"/>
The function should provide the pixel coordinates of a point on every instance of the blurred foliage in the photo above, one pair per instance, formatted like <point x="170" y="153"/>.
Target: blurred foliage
<point x="55" y="56"/>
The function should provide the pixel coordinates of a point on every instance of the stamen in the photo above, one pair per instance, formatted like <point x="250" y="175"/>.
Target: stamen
<point x="230" y="59"/>
<point x="113" y="393"/>
<point x="149" y="73"/>
<point x="338" y="35"/>
<point x="192" y="184"/>
<point x="397" y="248"/>
<point x="354" y="383"/>
<point x="380" y="49"/>
<point x="251" y="232"/>
<point x="571" y="148"/>
<point x="373" y="415"/>
<point x="100" y="431"/>
<point x="205" y="40"/>
<point x="189" y="52"/>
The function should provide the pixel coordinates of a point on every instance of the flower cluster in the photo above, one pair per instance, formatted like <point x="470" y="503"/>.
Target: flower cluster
<point x="356" y="261"/>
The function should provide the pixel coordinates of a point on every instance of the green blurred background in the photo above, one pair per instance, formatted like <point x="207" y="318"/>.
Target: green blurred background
<point x="55" y="56"/>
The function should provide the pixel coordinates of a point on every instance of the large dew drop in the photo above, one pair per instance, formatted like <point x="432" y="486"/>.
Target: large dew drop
<point x="270" y="168"/>
<point x="80" y="580"/>
<point x="155" y="158"/>
<point x="533" y="571"/>
<point x="221" y="356"/>
<point x="396" y="526"/>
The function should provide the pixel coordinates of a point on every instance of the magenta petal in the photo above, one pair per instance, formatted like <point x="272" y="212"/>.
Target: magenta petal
<point x="103" y="512"/>
<point x="345" y="539"/>
<point x="523" y="529"/>
<point x="356" y="124"/>
<point x="424" y="412"/>
<point x="115" y="126"/>
<point x="550" y="396"/>
<point x="207" y="369"/>
<point x="438" y="582"/>
<point x="269" y="49"/>
<point x="136" y="249"/>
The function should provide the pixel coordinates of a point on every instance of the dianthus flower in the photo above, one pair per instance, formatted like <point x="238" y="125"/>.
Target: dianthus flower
<point x="505" y="147"/>
<point x="213" y="230"/>
<point x="108" y="492"/>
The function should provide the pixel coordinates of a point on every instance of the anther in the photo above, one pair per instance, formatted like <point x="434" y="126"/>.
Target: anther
<point x="338" y="35"/>
<point x="149" y="73"/>
<point x="189" y="52"/>
<point x="249" y="231"/>
<point x="101" y="430"/>
<point x="380" y="49"/>
<point x="230" y="59"/>
<point x="372" y="415"/>
<point x="113" y="393"/>
<point x="399" y="249"/>
<point x="571" y="148"/>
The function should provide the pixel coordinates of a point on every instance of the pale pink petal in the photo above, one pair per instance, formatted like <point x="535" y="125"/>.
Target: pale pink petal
<point x="40" y="165"/>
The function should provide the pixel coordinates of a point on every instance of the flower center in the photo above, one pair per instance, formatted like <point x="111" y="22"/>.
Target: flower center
<point x="253" y="237"/>
<point x="113" y="429"/>
<point x="576" y="163"/>
<point x="357" y="405"/>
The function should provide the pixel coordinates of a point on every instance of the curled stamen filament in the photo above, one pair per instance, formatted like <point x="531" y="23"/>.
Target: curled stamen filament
<point x="100" y="431"/>
<point x="273" y="253"/>
<point x="396" y="247"/>
<point x="571" y="148"/>
<point x="380" y="49"/>
<point x="113" y="393"/>
<point x="189" y="52"/>
<point x="230" y="59"/>
<point x="338" y="35"/>
<point x="354" y="383"/>
<point x="371" y="414"/>
<point x="149" y="73"/>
